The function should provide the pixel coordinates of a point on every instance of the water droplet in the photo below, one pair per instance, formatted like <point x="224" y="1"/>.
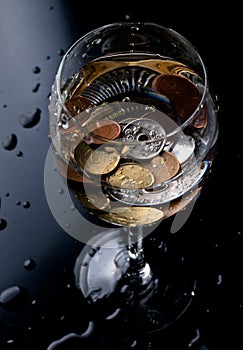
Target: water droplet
<point x="19" y="154"/>
<point x="61" y="52"/>
<point x="220" y="278"/>
<point x="12" y="297"/>
<point x="4" y="106"/>
<point x="195" y="339"/>
<point x="18" y="203"/>
<point x="29" y="264"/>
<point x="26" y="204"/>
<point x="36" y="70"/>
<point x="48" y="57"/>
<point x="51" y="8"/>
<point x="36" y="88"/>
<point x="10" y="341"/>
<point x="9" y="142"/>
<point x="3" y="224"/>
<point x="30" y="119"/>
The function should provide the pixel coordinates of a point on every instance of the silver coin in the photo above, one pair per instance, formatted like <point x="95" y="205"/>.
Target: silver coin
<point x="183" y="148"/>
<point x="144" y="137"/>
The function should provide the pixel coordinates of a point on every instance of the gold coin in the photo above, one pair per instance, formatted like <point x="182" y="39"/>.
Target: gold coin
<point x="96" y="200"/>
<point x="68" y="172"/>
<point x="97" y="162"/>
<point x="163" y="167"/>
<point x="133" y="216"/>
<point x="131" y="176"/>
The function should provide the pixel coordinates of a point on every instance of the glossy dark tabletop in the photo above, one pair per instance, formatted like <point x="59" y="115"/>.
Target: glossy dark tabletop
<point x="39" y="302"/>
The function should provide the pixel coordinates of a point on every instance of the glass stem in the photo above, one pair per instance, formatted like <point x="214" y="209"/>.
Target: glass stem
<point x="139" y="269"/>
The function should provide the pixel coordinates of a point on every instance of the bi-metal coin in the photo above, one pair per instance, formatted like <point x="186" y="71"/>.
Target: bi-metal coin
<point x="144" y="137"/>
<point x="98" y="162"/>
<point x="131" y="176"/>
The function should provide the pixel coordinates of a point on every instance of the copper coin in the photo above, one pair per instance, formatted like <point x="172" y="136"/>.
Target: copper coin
<point x="182" y="93"/>
<point x="103" y="130"/>
<point x="77" y="104"/>
<point x="163" y="167"/>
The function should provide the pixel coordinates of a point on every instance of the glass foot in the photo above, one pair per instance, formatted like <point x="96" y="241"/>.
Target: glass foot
<point x="103" y="274"/>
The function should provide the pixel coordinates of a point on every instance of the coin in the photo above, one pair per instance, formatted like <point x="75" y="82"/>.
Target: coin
<point x="67" y="171"/>
<point x="97" y="161"/>
<point x="163" y="167"/>
<point x="182" y="93"/>
<point x="181" y="203"/>
<point x="144" y="137"/>
<point x="133" y="216"/>
<point x="183" y="148"/>
<point x="77" y="104"/>
<point x="93" y="199"/>
<point x="103" y="130"/>
<point x="131" y="176"/>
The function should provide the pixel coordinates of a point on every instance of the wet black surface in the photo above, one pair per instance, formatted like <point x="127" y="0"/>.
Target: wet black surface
<point x="39" y="302"/>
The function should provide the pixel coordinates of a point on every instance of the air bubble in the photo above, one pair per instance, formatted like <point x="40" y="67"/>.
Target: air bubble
<point x="9" y="142"/>
<point x="30" y="119"/>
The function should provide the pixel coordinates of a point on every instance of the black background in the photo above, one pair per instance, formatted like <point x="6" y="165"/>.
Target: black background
<point x="37" y="33"/>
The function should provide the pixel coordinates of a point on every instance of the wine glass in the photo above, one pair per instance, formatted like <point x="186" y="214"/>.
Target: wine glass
<point x="133" y="128"/>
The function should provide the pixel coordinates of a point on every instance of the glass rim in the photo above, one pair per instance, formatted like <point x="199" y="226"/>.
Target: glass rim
<point x="200" y="104"/>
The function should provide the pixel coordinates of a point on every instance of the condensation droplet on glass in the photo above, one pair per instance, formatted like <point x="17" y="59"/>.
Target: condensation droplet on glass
<point x="10" y="142"/>
<point x="10" y="341"/>
<point x="33" y="302"/>
<point x="97" y="41"/>
<point x="127" y="17"/>
<point x="135" y="28"/>
<point x="126" y="99"/>
<point x="61" y="191"/>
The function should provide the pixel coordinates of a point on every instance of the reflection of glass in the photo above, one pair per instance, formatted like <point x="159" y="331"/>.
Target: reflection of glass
<point x="133" y="129"/>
